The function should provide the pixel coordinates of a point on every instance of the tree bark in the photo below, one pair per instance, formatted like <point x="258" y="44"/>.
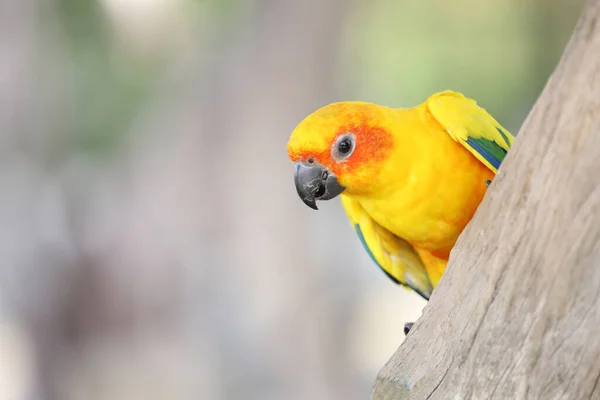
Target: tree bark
<point x="517" y="313"/>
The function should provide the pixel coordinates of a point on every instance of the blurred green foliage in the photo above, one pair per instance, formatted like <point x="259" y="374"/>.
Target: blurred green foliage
<point x="399" y="52"/>
<point x="499" y="52"/>
<point x="111" y="85"/>
<point x="107" y="88"/>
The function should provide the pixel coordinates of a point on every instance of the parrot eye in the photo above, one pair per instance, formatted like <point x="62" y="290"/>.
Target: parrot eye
<point x="343" y="147"/>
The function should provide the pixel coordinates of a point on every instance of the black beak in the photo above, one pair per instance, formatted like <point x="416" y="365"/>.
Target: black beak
<point x="315" y="182"/>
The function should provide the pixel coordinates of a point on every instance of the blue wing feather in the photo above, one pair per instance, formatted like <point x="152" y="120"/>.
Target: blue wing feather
<point x="492" y="157"/>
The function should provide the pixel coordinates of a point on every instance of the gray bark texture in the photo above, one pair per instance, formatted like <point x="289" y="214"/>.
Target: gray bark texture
<point x="517" y="313"/>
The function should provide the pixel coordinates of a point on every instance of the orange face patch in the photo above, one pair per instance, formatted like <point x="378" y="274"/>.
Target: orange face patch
<point x="373" y="145"/>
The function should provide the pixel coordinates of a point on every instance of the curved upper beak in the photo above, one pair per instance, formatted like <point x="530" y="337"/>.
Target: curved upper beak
<point x="315" y="182"/>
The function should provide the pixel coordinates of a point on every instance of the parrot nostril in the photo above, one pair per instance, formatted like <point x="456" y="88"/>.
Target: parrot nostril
<point x="310" y="161"/>
<point x="320" y="191"/>
<point x="324" y="175"/>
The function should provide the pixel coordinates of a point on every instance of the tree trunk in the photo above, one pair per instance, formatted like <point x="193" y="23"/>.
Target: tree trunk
<point x="517" y="313"/>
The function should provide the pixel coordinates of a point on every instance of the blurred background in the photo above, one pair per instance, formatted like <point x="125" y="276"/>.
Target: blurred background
<point x="152" y="244"/>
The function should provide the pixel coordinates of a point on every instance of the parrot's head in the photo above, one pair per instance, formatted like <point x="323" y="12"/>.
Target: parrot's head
<point x="341" y="147"/>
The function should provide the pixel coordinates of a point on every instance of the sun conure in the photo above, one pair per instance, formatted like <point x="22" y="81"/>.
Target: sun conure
<point x="410" y="179"/>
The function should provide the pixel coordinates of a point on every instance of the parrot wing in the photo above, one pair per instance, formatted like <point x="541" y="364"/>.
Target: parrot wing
<point x="394" y="255"/>
<point x="471" y="126"/>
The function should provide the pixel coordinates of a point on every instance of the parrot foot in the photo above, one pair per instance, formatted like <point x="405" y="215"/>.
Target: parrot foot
<point x="407" y="327"/>
<point x="488" y="183"/>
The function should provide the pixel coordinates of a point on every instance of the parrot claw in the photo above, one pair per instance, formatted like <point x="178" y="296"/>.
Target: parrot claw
<point x="488" y="183"/>
<point x="407" y="327"/>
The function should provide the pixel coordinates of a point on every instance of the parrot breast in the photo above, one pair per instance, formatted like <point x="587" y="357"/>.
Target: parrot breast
<point x="432" y="188"/>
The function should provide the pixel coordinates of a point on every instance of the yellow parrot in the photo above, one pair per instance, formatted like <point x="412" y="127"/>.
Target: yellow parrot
<point x="410" y="179"/>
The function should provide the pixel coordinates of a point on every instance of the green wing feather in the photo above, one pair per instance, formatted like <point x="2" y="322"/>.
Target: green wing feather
<point x="471" y="126"/>
<point x="395" y="256"/>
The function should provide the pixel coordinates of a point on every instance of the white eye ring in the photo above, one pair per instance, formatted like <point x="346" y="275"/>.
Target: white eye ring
<point x="343" y="147"/>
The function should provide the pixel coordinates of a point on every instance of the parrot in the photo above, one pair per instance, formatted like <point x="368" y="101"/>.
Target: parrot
<point x="409" y="179"/>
